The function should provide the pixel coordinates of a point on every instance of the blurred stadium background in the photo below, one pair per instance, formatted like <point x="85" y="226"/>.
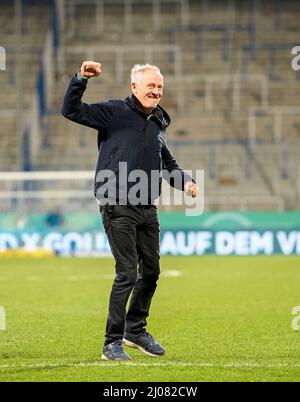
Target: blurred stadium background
<point x="230" y="90"/>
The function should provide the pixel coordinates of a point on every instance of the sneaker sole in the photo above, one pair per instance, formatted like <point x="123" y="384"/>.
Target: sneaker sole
<point x="103" y="357"/>
<point x="134" y="345"/>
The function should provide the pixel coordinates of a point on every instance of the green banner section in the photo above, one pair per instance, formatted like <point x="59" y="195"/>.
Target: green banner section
<point x="232" y="220"/>
<point x="168" y="220"/>
<point x="220" y="233"/>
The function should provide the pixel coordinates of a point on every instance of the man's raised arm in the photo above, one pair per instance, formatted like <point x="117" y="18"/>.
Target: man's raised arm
<point x="96" y="115"/>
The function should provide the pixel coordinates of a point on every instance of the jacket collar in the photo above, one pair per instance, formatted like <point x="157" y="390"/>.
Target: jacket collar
<point x="159" y="113"/>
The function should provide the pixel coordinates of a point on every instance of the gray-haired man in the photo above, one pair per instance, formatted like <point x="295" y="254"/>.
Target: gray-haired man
<point x="131" y="133"/>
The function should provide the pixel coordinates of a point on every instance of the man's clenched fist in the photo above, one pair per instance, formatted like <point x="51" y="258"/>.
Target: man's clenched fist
<point x="191" y="189"/>
<point x="90" y="69"/>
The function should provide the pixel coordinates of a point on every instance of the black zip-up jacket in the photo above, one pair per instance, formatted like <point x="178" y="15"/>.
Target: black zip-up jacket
<point x="125" y="134"/>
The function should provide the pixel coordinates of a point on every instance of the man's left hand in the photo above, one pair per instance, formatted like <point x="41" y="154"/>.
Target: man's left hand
<point x="191" y="189"/>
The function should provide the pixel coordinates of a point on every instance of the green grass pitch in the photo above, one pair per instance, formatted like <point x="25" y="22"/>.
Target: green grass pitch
<point x="220" y="319"/>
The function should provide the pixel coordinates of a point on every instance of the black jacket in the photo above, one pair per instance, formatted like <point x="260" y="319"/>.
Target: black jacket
<point x="125" y="134"/>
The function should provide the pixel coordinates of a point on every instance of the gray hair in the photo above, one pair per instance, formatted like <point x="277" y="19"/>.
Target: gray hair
<point x="138" y="70"/>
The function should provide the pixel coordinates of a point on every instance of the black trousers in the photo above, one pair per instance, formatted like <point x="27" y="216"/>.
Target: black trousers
<point x="133" y="235"/>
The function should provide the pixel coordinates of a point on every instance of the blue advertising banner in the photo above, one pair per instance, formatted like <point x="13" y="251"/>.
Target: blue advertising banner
<point x="212" y="233"/>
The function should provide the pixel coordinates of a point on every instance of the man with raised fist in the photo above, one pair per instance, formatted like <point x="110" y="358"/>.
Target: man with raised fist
<point x="131" y="139"/>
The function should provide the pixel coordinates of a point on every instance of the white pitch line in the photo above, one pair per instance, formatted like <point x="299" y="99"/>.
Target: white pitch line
<point x="34" y="278"/>
<point x="169" y="274"/>
<point x="172" y="274"/>
<point x="77" y="278"/>
<point x="166" y="364"/>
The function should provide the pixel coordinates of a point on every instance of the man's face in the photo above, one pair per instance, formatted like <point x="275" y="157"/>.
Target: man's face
<point x="149" y="90"/>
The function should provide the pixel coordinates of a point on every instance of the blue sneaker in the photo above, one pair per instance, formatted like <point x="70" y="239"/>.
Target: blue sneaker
<point x="114" y="351"/>
<point x="146" y="343"/>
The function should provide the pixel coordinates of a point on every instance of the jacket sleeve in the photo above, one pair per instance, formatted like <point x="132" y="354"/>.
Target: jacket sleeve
<point x="178" y="177"/>
<point x="95" y="115"/>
